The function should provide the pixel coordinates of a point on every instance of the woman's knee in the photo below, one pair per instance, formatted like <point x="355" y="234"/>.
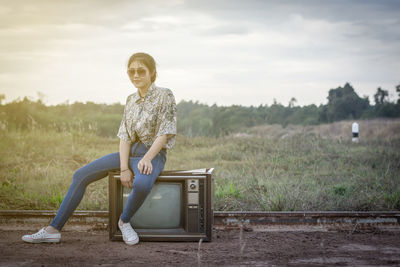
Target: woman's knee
<point x="79" y="176"/>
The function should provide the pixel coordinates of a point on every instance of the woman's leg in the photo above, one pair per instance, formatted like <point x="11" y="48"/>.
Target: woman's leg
<point x="142" y="185"/>
<point x="82" y="177"/>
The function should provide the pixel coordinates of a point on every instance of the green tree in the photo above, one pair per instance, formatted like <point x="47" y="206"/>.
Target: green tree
<point x="380" y="96"/>
<point x="344" y="103"/>
<point x="383" y="107"/>
<point x="398" y="91"/>
<point x="292" y="102"/>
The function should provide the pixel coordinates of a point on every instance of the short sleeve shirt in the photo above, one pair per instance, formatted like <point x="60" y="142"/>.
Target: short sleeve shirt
<point x="146" y="118"/>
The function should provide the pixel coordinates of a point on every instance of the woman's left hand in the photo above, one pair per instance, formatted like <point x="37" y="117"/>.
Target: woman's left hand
<point x="145" y="166"/>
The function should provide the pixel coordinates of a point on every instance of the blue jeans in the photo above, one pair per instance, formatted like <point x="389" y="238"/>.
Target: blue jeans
<point x="99" y="169"/>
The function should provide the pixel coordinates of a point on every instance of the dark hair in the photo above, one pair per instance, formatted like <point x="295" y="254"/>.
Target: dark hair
<point x="147" y="60"/>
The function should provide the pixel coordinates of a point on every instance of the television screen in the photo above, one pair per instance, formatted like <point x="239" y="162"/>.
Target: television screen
<point x="161" y="209"/>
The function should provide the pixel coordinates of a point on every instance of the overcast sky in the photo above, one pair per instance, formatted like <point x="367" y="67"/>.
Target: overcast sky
<point x="224" y="52"/>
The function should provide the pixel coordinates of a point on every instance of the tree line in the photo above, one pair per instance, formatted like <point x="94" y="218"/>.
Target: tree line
<point x="197" y="119"/>
<point x="343" y="104"/>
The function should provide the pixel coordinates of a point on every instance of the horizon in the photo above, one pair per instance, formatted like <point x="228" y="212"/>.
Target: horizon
<point x="67" y="102"/>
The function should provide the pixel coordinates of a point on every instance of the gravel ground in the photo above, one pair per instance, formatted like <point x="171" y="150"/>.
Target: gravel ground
<point x="257" y="247"/>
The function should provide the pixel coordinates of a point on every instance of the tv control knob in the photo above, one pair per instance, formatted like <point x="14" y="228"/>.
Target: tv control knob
<point x="192" y="186"/>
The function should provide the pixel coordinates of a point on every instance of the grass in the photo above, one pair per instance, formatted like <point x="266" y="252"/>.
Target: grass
<point x="266" y="168"/>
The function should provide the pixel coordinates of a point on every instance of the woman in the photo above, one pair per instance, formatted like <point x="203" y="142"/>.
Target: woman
<point x="148" y="129"/>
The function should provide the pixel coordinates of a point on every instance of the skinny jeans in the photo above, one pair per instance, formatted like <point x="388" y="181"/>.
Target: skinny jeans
<point x="99" y="169"/>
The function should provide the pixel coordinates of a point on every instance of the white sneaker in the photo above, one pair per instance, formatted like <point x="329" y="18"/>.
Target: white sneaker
<point x="42" y="237"/>
<point x="128" y="234"/>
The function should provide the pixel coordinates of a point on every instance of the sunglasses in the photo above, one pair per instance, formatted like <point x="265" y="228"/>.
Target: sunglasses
<point x="140" y="72"/>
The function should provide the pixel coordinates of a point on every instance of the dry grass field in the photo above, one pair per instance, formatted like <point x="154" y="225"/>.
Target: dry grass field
<point x="265" y="168"/>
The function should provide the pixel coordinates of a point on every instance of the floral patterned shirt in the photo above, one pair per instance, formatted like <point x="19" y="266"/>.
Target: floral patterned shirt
<point x="146" y="118"/>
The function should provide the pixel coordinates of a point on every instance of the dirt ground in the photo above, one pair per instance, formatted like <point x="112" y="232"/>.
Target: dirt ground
<point x="259" y="248"/>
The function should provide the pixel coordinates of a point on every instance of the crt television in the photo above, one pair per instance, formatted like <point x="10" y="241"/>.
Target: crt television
<point x="178" y="208"/>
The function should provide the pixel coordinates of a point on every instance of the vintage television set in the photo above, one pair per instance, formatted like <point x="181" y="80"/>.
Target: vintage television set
<point x="178" y="208"/>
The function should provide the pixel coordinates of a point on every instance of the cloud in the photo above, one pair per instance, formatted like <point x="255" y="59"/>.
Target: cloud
<point x="228" y="52"/>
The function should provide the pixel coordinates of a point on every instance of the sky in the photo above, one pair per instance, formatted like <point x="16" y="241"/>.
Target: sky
<point x="224" y="52"/>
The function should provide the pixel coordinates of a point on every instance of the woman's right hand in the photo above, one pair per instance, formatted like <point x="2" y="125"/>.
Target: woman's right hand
<point x="127" y="178"/>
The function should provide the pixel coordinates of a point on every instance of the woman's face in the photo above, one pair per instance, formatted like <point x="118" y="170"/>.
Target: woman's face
<point x="139" y="75"/>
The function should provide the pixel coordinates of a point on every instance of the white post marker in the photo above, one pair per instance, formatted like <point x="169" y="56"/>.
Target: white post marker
<point x="354" y="129"/>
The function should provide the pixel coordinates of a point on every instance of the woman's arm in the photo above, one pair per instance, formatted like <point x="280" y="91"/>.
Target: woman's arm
<point x="126" y="173"/>
<point x="124" y="149"/>
<point x="144" y="165"/>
